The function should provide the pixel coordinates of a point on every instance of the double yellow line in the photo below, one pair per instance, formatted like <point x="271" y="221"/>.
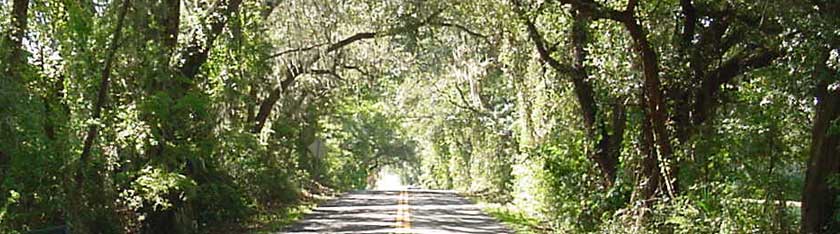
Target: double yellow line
<point x="403" y="212"/>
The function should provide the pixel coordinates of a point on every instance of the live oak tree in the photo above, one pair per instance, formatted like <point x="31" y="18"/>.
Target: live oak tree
<point x="689" y="116"/>
<point x="819" y="195"/>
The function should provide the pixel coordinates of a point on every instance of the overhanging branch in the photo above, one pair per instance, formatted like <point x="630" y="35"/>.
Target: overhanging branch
<point x="293" y="72"/>
<point x="460" y="27"/>
<point x="540" y="44"/>
<point x="295" y="50"/>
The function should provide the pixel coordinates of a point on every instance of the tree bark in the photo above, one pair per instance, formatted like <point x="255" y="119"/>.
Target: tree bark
<point x="171" y="21"/>
<point x="655" y="103"/>
<point x="655" y="107"/>
<point x="707" y="97"/>
<point x="102" y="93"/>
<point x="604" y="153"/>
<point x="606" y="146"/>
<point x="651" y="178"/>
<point x="15" y="59"/>
<point x="689" y="23"/>
<point x="295" y="70"/>
<point x="198" y="50"/>
<point x="265" y="109"/>
<point x="13" y="64"/>
<point x="819" y="197"/>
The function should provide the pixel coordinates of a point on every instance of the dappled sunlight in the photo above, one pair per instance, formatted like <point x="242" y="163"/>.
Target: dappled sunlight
<point x="584" y="116"/>
<point x="431" y="211"/>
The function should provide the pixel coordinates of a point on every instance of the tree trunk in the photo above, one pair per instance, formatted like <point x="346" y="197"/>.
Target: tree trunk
<point x="596" y="130"/>
<point x="606" y="146"/>
<point x="655" y="106"/>
<point x="179" y="218"/>
<point x="12" y="79"/>
<point x="651" y="178"/>
<point x="265" y="109"/>
<point x="819" y="196"/>
<point x="198" y="49"/>
<point x="15" y="59"/>
<point x="171" y="21"/>
<point x="102" y="93"/>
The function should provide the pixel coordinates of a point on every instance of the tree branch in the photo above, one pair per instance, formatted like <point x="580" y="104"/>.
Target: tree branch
<point x="350" y="40"/>
<point x="102" y="94"/>
<point x="296" y="70"/>
<point x="295" y="50"/>
<point x="725" y="73"/>
<point x="539" y="43"/>
<point x="462" y="28"/>
<point x="466" y="105"/>
<point x="197" y="51"/>
<point x="689" y="22"/>
<point x="327" y="72"/>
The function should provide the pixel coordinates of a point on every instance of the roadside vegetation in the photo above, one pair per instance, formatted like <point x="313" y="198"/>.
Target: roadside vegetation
<point x="515" y="219"/>
<point x="574" y="116"/>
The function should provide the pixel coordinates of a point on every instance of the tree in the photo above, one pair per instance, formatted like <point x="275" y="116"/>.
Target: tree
<point x="607" y="139"/>
<point x="819" y="194"/>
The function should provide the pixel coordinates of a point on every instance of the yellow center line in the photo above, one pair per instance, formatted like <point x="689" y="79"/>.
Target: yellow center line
<point x="403" y="220"/>
<point x="407" y="219"/>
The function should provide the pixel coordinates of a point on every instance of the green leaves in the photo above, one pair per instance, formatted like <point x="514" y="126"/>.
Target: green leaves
<point x="834" y="128"/>
<point x="451" y="95"/>
<point x="159" y="189"/>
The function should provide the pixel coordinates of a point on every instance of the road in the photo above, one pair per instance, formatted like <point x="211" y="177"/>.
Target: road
<point x="398" y="211"/>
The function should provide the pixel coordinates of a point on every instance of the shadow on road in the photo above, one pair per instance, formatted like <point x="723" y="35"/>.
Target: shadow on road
<point x="375" y="211"/>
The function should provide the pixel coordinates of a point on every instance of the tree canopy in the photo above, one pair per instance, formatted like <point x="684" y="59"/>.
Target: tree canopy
<point x="592" y="116"/>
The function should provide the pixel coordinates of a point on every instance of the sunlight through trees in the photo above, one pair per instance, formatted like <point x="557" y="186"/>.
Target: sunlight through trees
<point x="583" y="116"/>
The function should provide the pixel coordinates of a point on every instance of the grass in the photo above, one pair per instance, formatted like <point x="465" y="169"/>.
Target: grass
<point x="270" y="220"/>
<point x="515" y="219"/>
<point x="273" y="221"/>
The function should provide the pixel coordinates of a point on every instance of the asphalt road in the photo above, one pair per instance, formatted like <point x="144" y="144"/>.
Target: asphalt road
<point x="398" y="211"/>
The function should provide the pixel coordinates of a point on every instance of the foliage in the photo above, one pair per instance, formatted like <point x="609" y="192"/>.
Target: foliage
<point x="204" y="114"/>
<point x="515" y="219"/>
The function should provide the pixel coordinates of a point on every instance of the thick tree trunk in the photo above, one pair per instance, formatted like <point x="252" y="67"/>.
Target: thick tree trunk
<point x="604" y="153"/>
<point x="265" y="109"/>
<point x="819" y="196"/>
<point x="651" y="178"/>
<point x="179" y="218"/>
<point x="171" y="21"/>
<point x="655" y="106"/>
<point x="610" y="143"/>
<point x="606" y="145"/>
<point x="20" y="9"/>
<point x="13" y="62"/>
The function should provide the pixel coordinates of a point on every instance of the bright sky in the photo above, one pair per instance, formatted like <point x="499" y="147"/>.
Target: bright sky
<point x="388" y="181"/>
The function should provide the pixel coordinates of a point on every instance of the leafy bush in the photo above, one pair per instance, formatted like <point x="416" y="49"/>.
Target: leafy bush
<point x="220" y="203"/>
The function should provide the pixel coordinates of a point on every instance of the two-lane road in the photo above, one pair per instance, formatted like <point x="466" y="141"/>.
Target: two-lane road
<point x="398" y="211"/>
